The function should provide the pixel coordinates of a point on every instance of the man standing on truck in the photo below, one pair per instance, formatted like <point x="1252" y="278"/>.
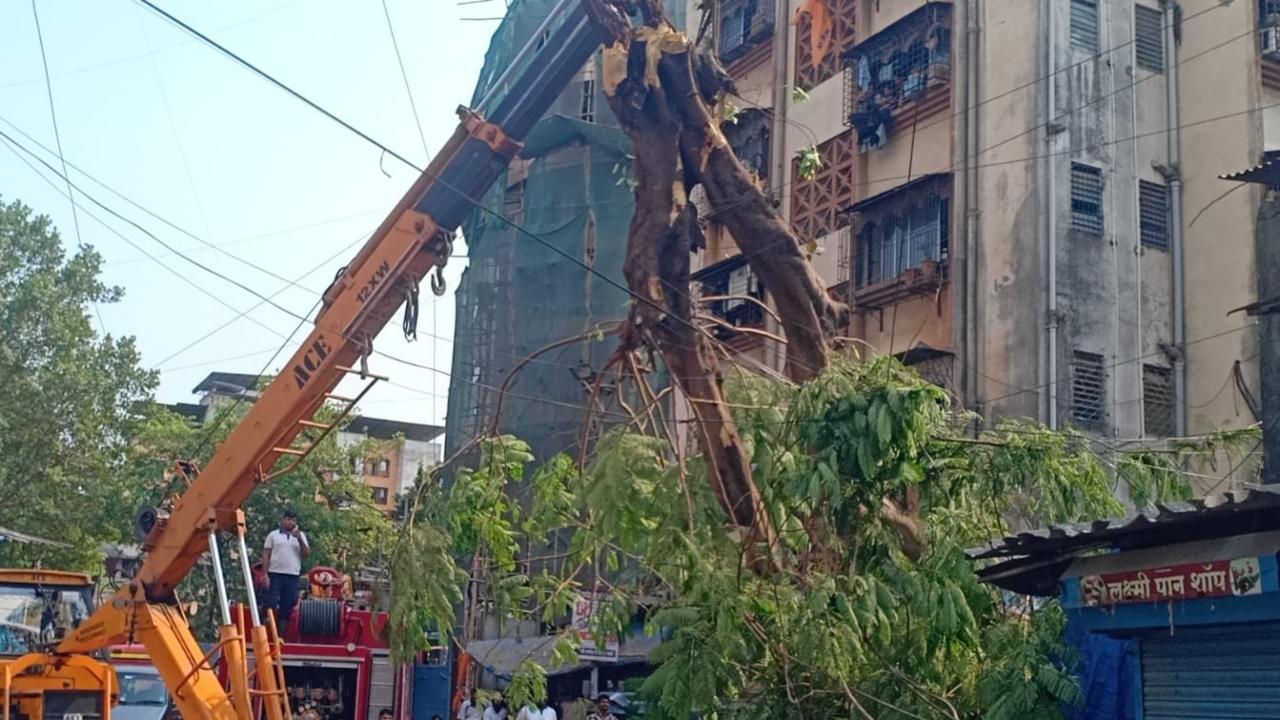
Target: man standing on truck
<point x="282" y="555"/>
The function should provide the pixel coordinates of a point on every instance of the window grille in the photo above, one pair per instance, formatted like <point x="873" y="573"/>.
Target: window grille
<point x="893" y="244"/>
<point x="1148" y="38"/>
<point x="1084" y="24"/>
<point x="742" y="23"/>
<point x="1086" y="198"/>
<point x="1088" y="390"/>
<point x="1153" y="215"/>
<point x="1269" y="13"/>
<point x="1157" y="400"/>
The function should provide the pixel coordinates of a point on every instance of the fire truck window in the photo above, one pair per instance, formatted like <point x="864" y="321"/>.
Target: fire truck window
<point x="322" y="693"/>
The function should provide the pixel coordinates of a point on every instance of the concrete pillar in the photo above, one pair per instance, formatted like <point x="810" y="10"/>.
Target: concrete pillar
<point x="1267" y="239"/>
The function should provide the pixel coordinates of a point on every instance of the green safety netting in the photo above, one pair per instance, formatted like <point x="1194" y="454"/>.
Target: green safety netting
<point x="570" y="190"/>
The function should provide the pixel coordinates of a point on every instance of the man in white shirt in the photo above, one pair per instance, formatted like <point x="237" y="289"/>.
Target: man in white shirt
<point x="282" y="555"/>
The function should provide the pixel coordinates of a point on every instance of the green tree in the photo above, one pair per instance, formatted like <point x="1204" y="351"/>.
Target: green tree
<point x="69" y="400"/>
<point x="873" y="612"/>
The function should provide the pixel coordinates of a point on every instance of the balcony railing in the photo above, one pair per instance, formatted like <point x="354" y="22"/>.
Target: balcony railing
<point x="894" y="68"/>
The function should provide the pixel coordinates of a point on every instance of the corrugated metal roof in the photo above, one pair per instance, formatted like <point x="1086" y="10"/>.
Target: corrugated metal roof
<point x="1266" y="172"/>
<point x="1253" y="510"/>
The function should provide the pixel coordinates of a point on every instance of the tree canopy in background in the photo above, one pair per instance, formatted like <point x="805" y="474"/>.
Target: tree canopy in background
<point x="68" y="401"/>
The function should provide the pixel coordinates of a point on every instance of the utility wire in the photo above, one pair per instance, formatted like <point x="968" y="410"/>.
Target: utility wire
<point x="57" y="137"/>
<point x="13" y="146"/>
<point x="408" y="91"/>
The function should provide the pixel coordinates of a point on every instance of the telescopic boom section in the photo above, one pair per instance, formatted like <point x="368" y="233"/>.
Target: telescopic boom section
<point x="413" y="239"/>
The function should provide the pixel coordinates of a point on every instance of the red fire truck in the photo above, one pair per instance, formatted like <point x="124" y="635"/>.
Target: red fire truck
<point x="336" y="657"/>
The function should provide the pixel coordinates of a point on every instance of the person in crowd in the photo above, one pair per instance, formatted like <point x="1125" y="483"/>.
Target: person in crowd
<point x="386" y="714"/>
<point x="602" y="709"/>
<point x="547" y="711"/>
<point x="333" y="707"/>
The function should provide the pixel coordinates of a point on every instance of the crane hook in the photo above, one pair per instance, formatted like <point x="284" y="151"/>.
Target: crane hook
<point x="438" y="284"/>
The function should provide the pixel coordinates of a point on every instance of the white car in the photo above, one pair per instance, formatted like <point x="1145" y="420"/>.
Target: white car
<point x="143" y="695"/>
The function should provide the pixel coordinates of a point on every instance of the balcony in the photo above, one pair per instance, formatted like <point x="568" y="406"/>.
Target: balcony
<point x="744" y="26"/>
<point x="902" y="242"/>
<point x="901" y="73"/>
<point x="728" y="289"/>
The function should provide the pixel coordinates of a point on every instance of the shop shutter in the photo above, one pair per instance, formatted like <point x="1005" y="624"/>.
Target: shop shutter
<point x="1212" y="673"/>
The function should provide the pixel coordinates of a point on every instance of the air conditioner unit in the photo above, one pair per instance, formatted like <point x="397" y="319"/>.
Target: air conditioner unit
<point x="1271" y="42"/>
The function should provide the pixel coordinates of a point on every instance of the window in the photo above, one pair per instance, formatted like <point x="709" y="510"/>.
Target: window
<point x="1153" y="215"/>
<point x="894" y="243"/>
<point x="1084" y="24"/>
<point x="587" y="108"/>
<point x="1086" y="198"/>
<point x="1088" y="390"/>
<point x="742" y="24"/>
<point x="382" y="468"/>
<point x="380" y="496"/>
<point x="357" y="465"/>
<point x="1148" y="38"/>
<point x="1157" y="400"/>
<point x="732" y="277"/>
<point x="895" y="67"/>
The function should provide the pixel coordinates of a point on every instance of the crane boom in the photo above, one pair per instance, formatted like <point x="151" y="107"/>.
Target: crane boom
<point x="413" y="239"/>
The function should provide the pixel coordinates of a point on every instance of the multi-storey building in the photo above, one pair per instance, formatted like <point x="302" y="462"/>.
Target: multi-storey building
<point x="1020" y="198"/>
<point x="395" y="450"/>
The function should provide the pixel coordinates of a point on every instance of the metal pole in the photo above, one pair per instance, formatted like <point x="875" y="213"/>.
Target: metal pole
<point x="248" y="579"/>
<point x="223" y="604"/>
<point x="1176" y="254"/>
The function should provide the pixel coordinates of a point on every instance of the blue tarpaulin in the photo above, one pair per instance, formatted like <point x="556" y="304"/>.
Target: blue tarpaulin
<point x="1107" y="676"/>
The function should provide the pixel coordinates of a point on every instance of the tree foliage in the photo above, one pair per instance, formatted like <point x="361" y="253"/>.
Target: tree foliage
<point x="855" y="622"/>
<point x="69" y="403"/>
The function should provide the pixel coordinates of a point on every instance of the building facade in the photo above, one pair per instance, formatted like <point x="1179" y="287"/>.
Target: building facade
<point x="1022" y="199"/>
<point x="397" y="450"/>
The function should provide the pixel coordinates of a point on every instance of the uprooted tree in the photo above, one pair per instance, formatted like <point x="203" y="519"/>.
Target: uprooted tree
<point x="808" y="560"/>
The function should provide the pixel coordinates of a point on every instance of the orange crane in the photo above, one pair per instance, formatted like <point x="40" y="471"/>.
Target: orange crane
<point x="282" y="427"/>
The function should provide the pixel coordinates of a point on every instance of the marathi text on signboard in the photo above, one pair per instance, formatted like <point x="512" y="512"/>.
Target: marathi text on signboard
<point x="1220" y="578"/>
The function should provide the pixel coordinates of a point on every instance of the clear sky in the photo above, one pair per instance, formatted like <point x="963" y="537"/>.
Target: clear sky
<point x="193" y="137"/>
